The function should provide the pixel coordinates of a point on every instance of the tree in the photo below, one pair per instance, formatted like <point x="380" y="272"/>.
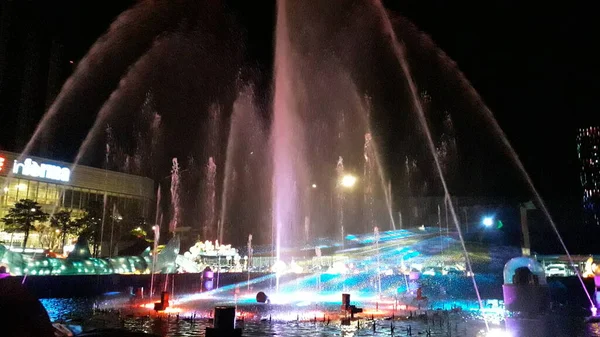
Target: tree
<point x="89" y="225"/>
<point x="22" y="217"/>
<point x="138" y="232"/>
<point x="62" y="221"/>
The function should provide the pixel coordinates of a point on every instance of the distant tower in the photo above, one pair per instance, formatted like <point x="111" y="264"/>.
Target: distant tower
<point x="588" y="150"/>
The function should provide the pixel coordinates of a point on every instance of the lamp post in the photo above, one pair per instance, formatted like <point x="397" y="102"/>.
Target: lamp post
<point x="114" y="217"/>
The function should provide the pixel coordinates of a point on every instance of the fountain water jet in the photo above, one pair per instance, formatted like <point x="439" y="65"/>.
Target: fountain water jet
<point x="246" y="187"/>
<point x="465" y="86"/>
<point x="287" y="141"/>
<point x="209" y="201"/>
<point x="103" y="54"/>
<point x="130" y="81"/>
<point x="340" y="198"/>
<point x="98" y="251"/>
<point x="368" y="182"/>
<point x="386" y="188"/>
<point x="175" y="204"/>
<point x="400" y="55"/>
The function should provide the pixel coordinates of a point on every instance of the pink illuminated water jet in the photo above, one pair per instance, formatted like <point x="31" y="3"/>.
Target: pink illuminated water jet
<point x="287" y="140"/>
<point x="210" y="199"/>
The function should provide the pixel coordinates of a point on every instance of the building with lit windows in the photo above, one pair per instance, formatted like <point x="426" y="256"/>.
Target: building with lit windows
<point x="57" y="186"/>
<point x="588" y="150"/>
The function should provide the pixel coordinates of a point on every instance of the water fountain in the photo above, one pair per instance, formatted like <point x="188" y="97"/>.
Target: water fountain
<point x="156" y="230"/>
<point x="246" y="171"/>
<point x="369" y="176"/>
<point x="291" y="148"/>
<point x="289" y="163"/>
<point x="175" y="204"/>
<point x="400" y="55"/>
<point x="340" y="197"/>
<point x="210" y="201"/>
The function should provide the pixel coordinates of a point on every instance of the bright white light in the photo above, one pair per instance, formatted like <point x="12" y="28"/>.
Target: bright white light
<point x="488" y="221"/>
<point x="348" y="180"/>
<point x="498" y="333"/>
<point x="314" y="185"/>
<point x="279" y="267"/>
<point x="33" y="209"/>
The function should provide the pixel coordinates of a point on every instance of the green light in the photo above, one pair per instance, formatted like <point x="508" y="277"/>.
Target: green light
<point x="500" y="224"/>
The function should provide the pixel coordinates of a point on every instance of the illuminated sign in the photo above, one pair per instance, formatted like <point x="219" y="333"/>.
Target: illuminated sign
<point x="2" y="160"/>
<point x="31" y="168"/>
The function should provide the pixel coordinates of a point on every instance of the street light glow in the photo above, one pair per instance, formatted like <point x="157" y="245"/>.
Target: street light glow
<point x="488" y="221"/>
<point x="348" y="180"/>
<point x="314" y="185"/>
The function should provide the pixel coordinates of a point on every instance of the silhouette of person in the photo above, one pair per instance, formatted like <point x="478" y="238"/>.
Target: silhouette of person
<point x="21" y="314"/>
<point x="523" y="276"/>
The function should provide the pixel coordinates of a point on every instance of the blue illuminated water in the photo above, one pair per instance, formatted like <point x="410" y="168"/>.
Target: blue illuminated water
<point x="460" y="324"/>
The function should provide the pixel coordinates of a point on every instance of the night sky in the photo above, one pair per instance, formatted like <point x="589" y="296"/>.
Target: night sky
<point x="532" y="62"/>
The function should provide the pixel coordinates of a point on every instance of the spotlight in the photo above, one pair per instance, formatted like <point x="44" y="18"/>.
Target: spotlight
<point x="488" y="221"/>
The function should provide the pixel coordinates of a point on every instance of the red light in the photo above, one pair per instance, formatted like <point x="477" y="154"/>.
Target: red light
<point x="2" y="160"/>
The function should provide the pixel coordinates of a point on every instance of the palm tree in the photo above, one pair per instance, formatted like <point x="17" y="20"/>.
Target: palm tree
<point x="62" y="221"/>
<point x="22" y="217"/>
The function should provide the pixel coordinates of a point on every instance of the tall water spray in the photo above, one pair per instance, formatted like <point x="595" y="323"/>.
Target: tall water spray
<point x="287" y="141"/>
<point x="399" y="52"/>
<point x="246" y="190"/>
<point x="107" y="152"/>
<point x="467" y="89"/>
<point x="208" y="230"/>
<point x="340" y="197"/>
<point x="175" y="195"/>
<point x="368" y="180"/>
<point x="156" y="231"/>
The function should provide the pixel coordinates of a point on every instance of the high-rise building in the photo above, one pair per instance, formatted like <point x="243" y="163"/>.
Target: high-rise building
<point x="588" y="149"/>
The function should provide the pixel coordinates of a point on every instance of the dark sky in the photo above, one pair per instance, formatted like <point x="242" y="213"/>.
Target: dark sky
<point x="534" y="66"/>
<point x="532" y="62"/>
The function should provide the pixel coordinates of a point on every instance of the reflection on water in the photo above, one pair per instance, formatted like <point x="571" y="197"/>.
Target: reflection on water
<point x="67" y="308"/>
<point x="183" y="328"/>
<point x="458" y="325"/>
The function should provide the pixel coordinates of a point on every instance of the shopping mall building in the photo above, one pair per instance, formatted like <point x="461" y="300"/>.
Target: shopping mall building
<point x="56" y="185"/>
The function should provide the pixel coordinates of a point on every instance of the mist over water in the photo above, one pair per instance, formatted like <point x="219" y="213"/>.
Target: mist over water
<point x="245" y="197"/>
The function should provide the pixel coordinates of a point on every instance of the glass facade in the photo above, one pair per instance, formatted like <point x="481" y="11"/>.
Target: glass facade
<point x="54" y="197"/>
<point x="127" y="198"/>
